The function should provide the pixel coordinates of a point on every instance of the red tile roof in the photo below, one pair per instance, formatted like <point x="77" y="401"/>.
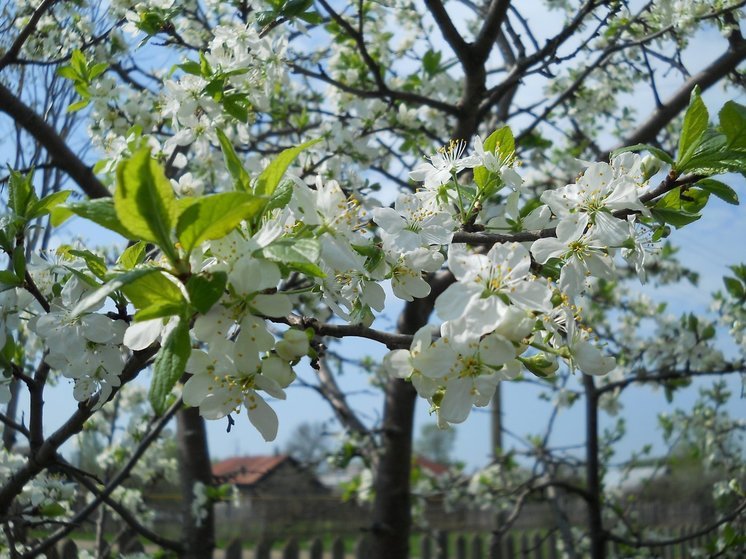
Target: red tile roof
<point x="246" y="470"/>
<point x="434" y="468"/>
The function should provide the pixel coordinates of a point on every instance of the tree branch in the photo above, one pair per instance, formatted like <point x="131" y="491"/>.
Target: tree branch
<point x="10" y="56"/>
<point x="48" y="137"/>
<point x="115" y="482"/>
<point x="648" y="130"/>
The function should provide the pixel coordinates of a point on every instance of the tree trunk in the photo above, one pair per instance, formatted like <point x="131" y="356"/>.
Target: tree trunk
<point x="593" y="477"/>
<point x="391" y="514"/>
<point x="198" y="535"/>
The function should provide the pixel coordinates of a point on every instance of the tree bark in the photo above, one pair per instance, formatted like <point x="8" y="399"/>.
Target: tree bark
<point x="198" y="535"/>
<point x="593" y="477"/>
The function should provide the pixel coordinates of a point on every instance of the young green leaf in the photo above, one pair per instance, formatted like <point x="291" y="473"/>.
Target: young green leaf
<point x="657" y="152"/>
<point x="145" y="202"/>
<point x="696" y="120"/>
<point x="94" y="262"/>
<point x="295" y="250"/>
<point x="115" y="284"/>
<point x="719" y="189"/>
<point x="214" y="216"/>
<point x="272" y="175"/>
<point x="46" y="204"/>
<point x="153" y="290"/>
<point x="21" y="194"/>
<point x="733" y="124"/>
<point x="233" y="163"/>
<point x="132" y="255"/>
<point x="169" y="365"/>
<point x="99" y="210"/>
<point x="206" y="289"/>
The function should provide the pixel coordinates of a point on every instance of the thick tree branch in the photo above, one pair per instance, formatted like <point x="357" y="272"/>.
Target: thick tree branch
<point x="490" y="29"/>
<point x="448" y="30"/>
<point x="115" y="482"/>
<point x="48" y="137"/>
<point x="721" y="67"/>
<point x="47" y="452"/>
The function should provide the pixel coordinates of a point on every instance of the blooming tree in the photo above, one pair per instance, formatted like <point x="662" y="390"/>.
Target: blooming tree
<point x="238" y="151"/>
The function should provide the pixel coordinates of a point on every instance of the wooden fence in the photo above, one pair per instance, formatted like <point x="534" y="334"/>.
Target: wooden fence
<point x="441" y="545"/>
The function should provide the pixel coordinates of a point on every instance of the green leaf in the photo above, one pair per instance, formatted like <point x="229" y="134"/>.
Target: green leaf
<point x="94" y="262"/>
<point x="696" y="120"/>
<point x="9" y="279"/>
<point x="191" y="67"/>
<point x="293" y="250"/>
<point x="281" y="196"/>
<point x="46" y="204"/>
<point x="311" y="270"/>
<point x="719" y="189"/>
<point x="233" y="163"/>
<point x="100" y="211"/>
<point x="206" y="289"/>
<point x="115" y="284"/>
<point x="657" y="152"/>
<point x="169" y="365"/>
<point x="676" y="218"/>
<point x="431" y="62"/>
<point x="502" y="141"/>
<point x="733" y="124"/>
<point x="159" y="310"/>
<point x="19" y="261"/>
<point x="78" y="105"/>
<point x="734" y="287"/>
<point x="153" y="290"/>
<point x="21" y="194"/>
<point x="132" y="255"/>
<point x="214" y="216"/>
<point x="271" y="176"/>
<point x="144" y="201"/>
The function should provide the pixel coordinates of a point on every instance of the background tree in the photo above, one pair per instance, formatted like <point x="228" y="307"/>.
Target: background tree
<point x="436" y="444"/>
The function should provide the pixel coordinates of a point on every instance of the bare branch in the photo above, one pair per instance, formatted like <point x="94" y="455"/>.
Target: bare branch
<point x="48" y="137"/>
<point x="29" y="28"/>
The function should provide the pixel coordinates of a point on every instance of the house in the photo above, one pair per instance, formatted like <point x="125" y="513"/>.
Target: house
<point x="276" y="495"/>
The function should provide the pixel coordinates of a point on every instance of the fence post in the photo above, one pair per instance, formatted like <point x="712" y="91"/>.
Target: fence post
<point x="317" y="549"/>
<point x="552" y="544"/>
<point x="442" y="543"/>
<point x="69" y="550"/>
<point x="496" y="548"/>
<point x="361" y="548"/>
<point x="525" y="546"/>
<point x="426" y="546"/>
<point x="291" y="549"/>
<point x="234" y="549"/>
<point x="510" y="547"/>
<point x="338" y="548"/>
<point x="263" y="549"/>
<point x="460" y="547"/>
<point x="476" y="547"/>
<point x="538" y="547"/>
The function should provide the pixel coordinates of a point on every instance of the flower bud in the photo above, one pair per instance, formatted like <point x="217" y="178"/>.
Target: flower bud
<point x="541" y="364"/>
<point x="650" y="166"/>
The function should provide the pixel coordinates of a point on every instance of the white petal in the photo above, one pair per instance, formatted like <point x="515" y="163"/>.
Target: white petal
<point x="457" y="401"/>
<point x="262" y="416"/>
<point x="140" y="335"/>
